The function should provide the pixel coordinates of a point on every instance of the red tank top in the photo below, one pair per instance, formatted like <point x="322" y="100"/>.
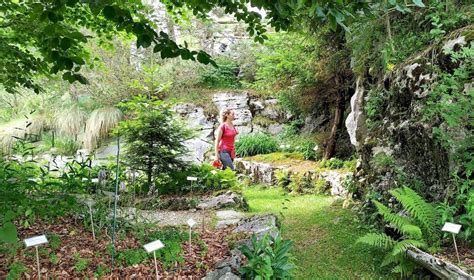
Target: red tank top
<point x="228" y="139"/>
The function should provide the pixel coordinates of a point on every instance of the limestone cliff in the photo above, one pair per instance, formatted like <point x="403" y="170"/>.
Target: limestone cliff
<point x="395" y="144"/>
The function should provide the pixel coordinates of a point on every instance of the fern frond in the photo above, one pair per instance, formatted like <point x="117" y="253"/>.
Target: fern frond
<point x="405" y="267"/>
<point x="402" y="246"/>
<point x="379" y="240"/>
<point x="412" y="231"/>
<point x="423" y="212"/>
<point x="389" y="259"/>
<point x="401" y="224"/>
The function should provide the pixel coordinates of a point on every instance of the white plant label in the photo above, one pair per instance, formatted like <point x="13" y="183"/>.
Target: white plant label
<point x="450" y="227"/>
<point x="36" y="240"/>
<point x="153" y="246"/>
<point x="191" y="222"/>
<point x="189" y="178"/>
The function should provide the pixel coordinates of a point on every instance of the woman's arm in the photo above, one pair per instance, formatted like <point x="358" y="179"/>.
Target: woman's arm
<point x="218" y="140"/>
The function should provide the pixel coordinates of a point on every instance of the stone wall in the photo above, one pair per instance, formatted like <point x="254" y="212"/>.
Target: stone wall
<point x="246" y="109"/>
<point x="264" y="173"/>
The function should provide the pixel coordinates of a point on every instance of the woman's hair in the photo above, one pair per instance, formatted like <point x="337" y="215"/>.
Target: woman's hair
<point x="224" y="113"/>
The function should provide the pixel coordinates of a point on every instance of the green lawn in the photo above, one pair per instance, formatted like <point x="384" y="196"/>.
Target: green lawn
<point x="324" y="234"/>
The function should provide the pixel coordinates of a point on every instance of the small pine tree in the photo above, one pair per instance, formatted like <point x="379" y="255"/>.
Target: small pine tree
<point x="153" y="137"/>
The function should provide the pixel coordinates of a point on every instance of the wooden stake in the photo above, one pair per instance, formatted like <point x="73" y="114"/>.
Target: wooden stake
<point x="38" y="262"/>
<point x="456" y="247"/>
<point x="156" y="265"/>
<point x="92" y="222"/>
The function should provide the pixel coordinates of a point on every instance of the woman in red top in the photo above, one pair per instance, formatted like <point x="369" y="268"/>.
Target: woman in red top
<point x="225" y="139"/>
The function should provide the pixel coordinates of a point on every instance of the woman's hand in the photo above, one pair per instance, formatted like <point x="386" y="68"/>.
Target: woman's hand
<point x="217" y="157"/>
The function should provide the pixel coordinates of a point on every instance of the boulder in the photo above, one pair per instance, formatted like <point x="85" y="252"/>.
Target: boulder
<point x="355" y="122"/>
<point x="228" y="217"/>
<point x="259" y="225"/>
<point x="316" y="122"/>
<point x="335" y="179"/>
<point x="196" y="120"/>
<point x="197" y="150"/>
<point x="258" y="172"/>
<point x="275" y="129"/>
<point x="239" y="102"/>
<point x="229" y="199"/>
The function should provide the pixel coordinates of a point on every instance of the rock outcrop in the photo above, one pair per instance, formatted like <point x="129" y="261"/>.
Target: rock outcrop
<point x="258" y="225"/>
<point x="247" y="109"/>
<point x="228" y="199"/>
<point x="399" y="143"/>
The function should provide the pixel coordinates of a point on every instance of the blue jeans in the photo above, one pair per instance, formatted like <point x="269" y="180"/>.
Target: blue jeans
<point x="226" y="160"/>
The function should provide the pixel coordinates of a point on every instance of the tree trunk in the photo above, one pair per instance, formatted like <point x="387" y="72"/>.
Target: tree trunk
<point x="337" y="124"/>
<point x="440" y="268"/>
<point x="149" y="172"/>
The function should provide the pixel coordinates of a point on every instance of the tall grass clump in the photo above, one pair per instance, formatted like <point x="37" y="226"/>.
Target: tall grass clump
<point x="99" y="124"/>
<point x="70" y="121"/>
<point x="254" y="144"/>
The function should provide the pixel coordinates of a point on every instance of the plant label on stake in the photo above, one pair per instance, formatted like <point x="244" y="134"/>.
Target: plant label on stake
<point x="191" y="223"/>
<point x="36" y="241"/>
<point x="90" y="203"/>
<point x="152" y="247"/>
<point x="189" y="178"/>
<point x="453" y="229"/>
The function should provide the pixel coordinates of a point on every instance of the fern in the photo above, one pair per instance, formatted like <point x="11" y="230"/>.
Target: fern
<point x="419" y="226"/>
<point x="389" y="259"/>
<point x="424" y="213"/>
<point x="402" y="246"/>
<point x="402" y="224"/>
<point x="379" y="240"/>
<point x="404" y="268"/>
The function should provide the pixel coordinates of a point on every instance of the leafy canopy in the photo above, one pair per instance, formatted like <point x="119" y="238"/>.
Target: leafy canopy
<point x="48" y="37"/>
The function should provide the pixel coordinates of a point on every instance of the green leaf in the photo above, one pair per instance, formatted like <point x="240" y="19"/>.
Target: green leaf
<point x="157" y="48"/>
<point x="203" y="57"/>
<point x="81" y="79"/>
<point x="8" y="233"/>
<point x="52" y="16"/>
<point x="68" y="77"/>
<point x="9" y="216"/>
<point x="166" y="52"/>
<point x="419" y="3"/>
<point x="144" y="40"/>
<point x="109" y="12"/>
<point x="65" y="43"/>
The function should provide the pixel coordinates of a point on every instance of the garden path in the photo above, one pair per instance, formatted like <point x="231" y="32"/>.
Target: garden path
<point x="177" y="218"/>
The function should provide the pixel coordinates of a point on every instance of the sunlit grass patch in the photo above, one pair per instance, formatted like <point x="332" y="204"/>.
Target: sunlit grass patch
<point x="324" y="234"/>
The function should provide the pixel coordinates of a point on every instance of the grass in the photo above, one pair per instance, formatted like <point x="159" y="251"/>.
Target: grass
<point x="277" y="157"/>
<point x="324" y="234"/>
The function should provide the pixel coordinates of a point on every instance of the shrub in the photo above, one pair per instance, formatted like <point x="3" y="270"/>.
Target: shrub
<point x="333" y="163"/>
<point x="382" y="161"/>
<point x="301" y="144"/>
<point x="299" y="183"/>
<point x="209" y="179"/>
<point x="254" y="144"/>
<point x="418" y="229"/>
<point x="15" y="270"/>
<point x="283" y="178"/>
<point x="321" y="186"/>
<point x="81" y="264"/>
<point x="131" y="257"/>
<point x="224" y="76"/>
<point x="268" y="258"/>
<point x="173" y="238"/>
